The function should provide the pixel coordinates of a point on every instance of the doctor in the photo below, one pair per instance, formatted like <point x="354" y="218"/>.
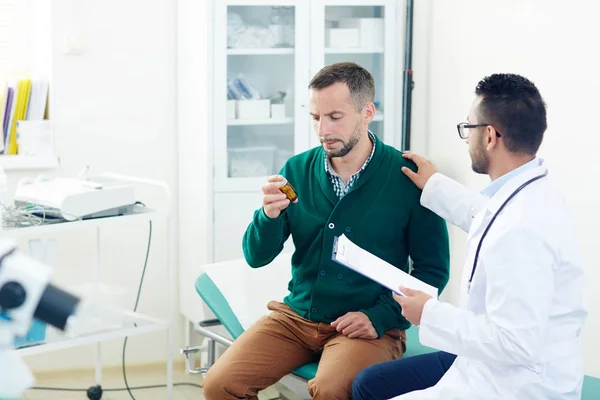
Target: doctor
<point x="517" y="332"/>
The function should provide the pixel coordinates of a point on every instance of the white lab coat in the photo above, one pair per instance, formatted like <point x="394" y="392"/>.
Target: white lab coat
<point x="517" y="332"/>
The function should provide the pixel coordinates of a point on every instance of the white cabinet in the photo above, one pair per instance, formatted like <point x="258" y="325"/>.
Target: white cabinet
<point x="261" y="72"/>
<point x="364" y="32"/>
<point x="264" y="55"/>
<point x="269" y="46"/>
<point x="233" y="213"/>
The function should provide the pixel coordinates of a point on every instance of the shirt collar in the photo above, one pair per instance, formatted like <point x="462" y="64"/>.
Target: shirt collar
<point x="491" y="189"/>
<point x="329" y="169"/>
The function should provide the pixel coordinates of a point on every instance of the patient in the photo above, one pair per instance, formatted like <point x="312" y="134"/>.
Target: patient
<point x="348" y="186"/>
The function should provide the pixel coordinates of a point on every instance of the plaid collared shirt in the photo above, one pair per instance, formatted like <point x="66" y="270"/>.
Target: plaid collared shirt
<point x="339" y="186"/>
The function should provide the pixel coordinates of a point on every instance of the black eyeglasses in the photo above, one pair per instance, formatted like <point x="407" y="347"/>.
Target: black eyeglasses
<point x="464" y="129"/>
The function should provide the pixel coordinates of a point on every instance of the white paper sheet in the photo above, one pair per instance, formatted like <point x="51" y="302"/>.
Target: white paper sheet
<point x="248" y="290"/>
<point x="352" y="256"/>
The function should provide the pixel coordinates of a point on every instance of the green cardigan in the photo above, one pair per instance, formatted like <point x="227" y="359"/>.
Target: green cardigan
<point x="381" y="213"/>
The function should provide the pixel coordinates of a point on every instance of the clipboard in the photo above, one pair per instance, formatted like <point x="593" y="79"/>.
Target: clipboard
<point x="351" y="256"/>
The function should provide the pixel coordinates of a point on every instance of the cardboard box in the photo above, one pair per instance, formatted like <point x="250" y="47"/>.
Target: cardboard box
<point x="342" y="38"/>
<point x="371" y="30"/>
<point x="253" y="109"/>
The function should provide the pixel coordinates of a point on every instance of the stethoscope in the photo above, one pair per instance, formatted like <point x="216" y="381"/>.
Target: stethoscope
<point x="513" y="194"/>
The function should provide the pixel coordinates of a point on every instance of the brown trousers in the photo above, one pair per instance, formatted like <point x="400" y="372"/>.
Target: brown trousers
<point x="281" y="342"/>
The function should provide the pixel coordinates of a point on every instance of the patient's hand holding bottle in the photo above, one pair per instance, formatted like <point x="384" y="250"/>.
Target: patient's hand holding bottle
<point x="277" y="195"/>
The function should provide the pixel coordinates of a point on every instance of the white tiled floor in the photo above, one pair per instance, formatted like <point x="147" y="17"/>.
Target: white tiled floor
<point x="136" y="376"/>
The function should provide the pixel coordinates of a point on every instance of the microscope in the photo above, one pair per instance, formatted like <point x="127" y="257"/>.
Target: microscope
<point x="26" y="293"/>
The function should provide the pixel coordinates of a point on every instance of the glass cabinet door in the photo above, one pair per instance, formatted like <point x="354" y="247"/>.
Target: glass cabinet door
<point x="362" y="32"/>
<point x="261" y="74"/>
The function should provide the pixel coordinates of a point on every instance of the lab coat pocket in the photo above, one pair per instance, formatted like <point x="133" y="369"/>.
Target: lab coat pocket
<point x="519" y="379"/>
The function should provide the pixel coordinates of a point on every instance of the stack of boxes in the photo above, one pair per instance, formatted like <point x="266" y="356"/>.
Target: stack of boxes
<point x="357" y="32"/>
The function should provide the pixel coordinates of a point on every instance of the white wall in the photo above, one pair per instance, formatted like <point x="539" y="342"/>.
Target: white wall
<point x="114" y="108"/>
<point x="195" y="143"/>
<point x="550" y="42"/>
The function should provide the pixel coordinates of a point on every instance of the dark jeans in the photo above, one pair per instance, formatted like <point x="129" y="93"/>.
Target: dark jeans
<point x="389" y="379"/>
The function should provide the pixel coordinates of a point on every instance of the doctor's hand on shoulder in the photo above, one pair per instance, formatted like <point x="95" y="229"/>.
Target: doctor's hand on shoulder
<point x="274" y="200"/>
<point x="425" y="169"/>
<point x="412" y="304"/>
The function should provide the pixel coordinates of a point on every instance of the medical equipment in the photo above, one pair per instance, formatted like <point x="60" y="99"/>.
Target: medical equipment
<point x="494" y="218"/>
<point x="25" y="294"/>
<point x="73" y="198"/>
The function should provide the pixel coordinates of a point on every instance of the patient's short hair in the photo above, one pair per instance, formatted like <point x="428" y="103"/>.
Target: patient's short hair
<point x="359" y="81"/>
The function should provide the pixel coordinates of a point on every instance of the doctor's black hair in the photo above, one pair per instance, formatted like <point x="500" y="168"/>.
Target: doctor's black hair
<point x="359" y="81"/>
<point x="514" y="106"/>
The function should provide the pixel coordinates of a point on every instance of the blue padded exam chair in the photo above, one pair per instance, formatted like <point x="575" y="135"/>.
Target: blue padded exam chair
<point x="217" y="303"/>
<point x="214" y="299"/>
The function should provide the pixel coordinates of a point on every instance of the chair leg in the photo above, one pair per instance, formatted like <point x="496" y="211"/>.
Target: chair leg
<point x="211" y="347"/>
<point x="190" y="359"/>
<point x="212" y="352"/>
<point x="290" y="382"/>
<point x="191" y="352"/>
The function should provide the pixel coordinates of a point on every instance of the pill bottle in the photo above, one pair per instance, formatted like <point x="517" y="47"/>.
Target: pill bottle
<point x="288" y="190"/>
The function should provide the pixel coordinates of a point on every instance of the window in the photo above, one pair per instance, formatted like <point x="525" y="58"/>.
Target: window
<point x="15" y="44"/>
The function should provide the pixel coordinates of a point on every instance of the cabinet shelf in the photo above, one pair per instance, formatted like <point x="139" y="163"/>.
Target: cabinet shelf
<point x="258" y="52"/>
<point x="353" y="50"/>
<point x="132" y="324"/>
<point x="138" y="214"/>
<point x="243" y="122"/>
<point x="15" y="163"/>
